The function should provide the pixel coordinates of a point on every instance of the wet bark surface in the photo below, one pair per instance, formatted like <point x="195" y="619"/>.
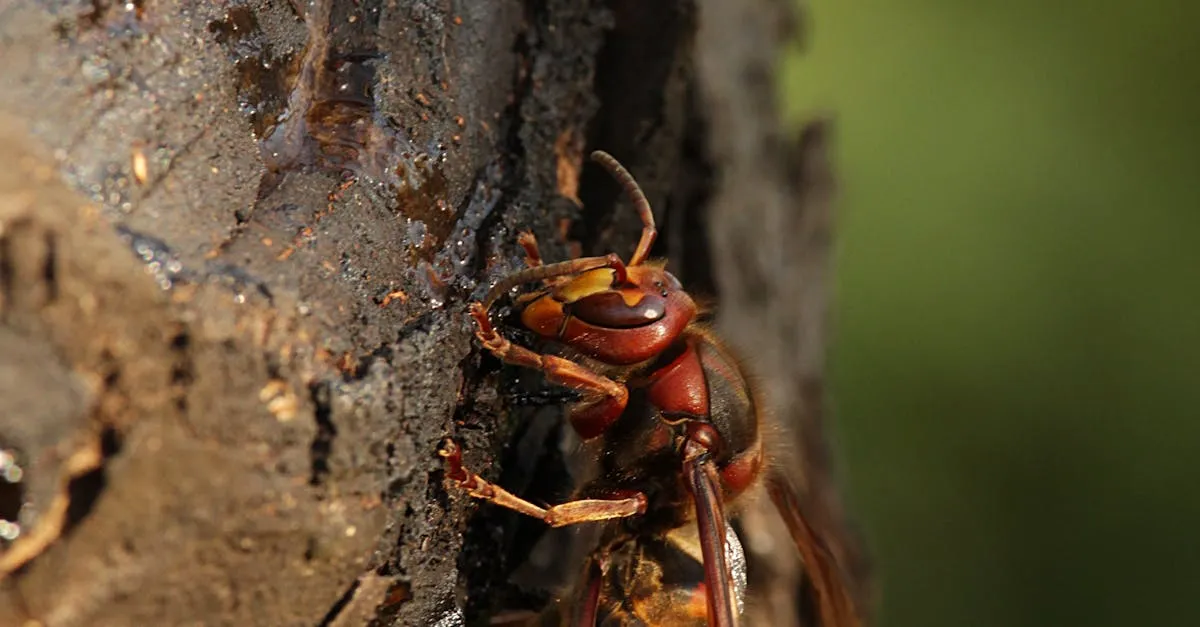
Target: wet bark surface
<point x="236" y="244"/>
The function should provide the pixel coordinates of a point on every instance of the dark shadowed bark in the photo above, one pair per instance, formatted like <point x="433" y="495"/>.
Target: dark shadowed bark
<point x="236" y="244"/>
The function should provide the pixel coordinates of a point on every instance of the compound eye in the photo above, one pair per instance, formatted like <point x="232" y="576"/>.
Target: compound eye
<point x="608" y="310"/>
<point x="673" y="283"/>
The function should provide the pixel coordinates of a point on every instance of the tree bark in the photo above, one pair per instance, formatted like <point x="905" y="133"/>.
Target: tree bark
<point x="236" y="243"/>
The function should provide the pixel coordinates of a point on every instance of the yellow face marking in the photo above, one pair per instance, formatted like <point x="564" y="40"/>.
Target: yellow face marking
<point x="585" y="284"/>
<point x="632" y="296"/>
<point x="595" y="282"/>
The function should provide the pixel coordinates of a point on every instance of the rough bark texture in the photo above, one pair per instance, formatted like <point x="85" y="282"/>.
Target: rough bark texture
<point x="236" y="242"/>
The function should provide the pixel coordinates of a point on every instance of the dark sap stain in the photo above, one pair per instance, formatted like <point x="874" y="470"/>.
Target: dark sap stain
<point x="321" y="112"/>
<point x="264" y="75"/>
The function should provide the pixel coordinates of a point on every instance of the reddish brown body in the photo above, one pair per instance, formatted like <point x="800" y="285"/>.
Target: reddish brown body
<point x="677" y="428"/>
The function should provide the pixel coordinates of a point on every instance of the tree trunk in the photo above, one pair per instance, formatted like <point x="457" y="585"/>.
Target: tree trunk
<point x="236" y="244"/>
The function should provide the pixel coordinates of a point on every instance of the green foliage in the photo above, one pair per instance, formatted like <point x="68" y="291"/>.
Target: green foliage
<point x="1018" y="293"/>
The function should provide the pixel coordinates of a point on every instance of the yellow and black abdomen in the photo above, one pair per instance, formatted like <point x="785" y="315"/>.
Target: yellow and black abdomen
<point x="659" y="581"/>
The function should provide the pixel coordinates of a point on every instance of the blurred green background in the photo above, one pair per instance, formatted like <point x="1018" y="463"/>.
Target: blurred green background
<point x="1018" y="285"/>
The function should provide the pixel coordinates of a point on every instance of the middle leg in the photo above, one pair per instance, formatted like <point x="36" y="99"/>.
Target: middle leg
<point x="569" y="513"/>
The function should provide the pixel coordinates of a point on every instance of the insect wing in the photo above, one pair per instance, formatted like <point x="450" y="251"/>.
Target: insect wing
<point x="835" y="603"/>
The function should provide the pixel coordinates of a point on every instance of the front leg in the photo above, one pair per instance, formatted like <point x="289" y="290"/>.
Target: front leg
<point x="603" y="399"/>
<point x="528" y="241"/>
<point x="569" y="513"/>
